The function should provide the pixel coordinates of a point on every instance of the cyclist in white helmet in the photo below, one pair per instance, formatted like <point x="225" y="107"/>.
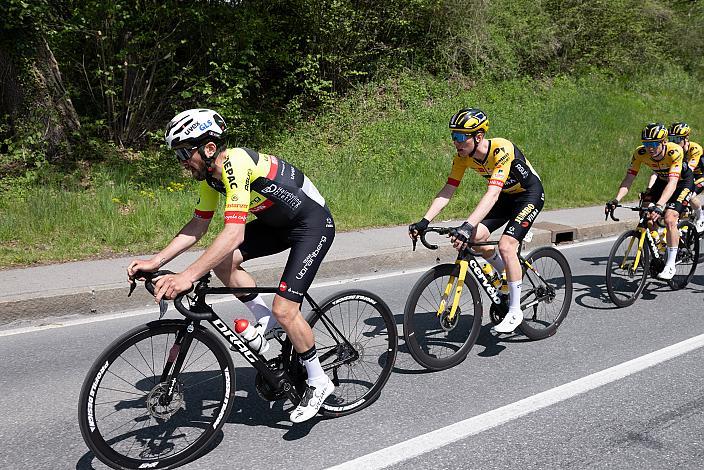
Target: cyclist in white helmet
<point x="290" y="213"/>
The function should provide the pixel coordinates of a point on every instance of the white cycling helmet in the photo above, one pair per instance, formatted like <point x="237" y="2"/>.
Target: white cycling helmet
<point x="193" y="128"/>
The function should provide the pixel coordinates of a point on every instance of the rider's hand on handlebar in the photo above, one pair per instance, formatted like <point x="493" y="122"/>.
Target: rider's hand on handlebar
<point x="145" y="265"/>
<point x="461" y="235"/>
<point x="419" y="227"/>
<point x="170" y="285"/>
<point x="610" y="205"/>
<point x="655" y="212"/>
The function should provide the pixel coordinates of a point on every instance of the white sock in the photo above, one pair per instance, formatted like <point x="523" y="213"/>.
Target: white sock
<point x="671" y="256"/>
<point x="496" y="261"/>
<point x="700" y="215"/>
<point x="316" y="374"/>
<point x="514" y="295"/>
<point x="261" y="312"/>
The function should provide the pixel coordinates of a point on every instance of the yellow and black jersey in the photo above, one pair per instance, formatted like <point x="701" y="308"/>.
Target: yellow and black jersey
<point x="670" y="165"/>
<point x="693" y="156"/>
<point x="505" y="166"/>
<point x="267" y="186"/>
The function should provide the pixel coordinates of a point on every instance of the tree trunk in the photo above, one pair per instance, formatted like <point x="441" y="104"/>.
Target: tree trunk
<point x="35" y="99"/>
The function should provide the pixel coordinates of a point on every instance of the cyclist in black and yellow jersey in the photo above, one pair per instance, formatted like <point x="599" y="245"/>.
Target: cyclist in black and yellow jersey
<point x="679" y="133"/>
<point x="514" y="194"/>
<point x="290" y="213"/>
<point x="671" y="191"/>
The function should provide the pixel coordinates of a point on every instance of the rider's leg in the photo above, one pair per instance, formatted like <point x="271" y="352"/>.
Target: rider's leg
<point x="508" y="247"/>
<point x="231" y="274"/>
<point x="673" y="235"/>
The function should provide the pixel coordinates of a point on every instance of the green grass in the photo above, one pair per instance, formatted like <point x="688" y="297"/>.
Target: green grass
<point x="378" y="158"/>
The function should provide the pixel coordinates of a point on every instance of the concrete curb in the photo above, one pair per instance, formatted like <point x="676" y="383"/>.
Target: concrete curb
<point x="113" y="297"/>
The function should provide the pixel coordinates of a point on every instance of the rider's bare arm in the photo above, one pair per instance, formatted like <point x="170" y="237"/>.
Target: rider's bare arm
<point x="626" y="185"/>
<point x="485" y="204"/>
<point x="224" y="244"/>
<point x="441" y="200"/>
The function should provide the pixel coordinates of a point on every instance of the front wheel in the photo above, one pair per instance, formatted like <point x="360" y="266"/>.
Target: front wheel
<point x="356" y="339"/>
<point x="436" y="338"/>
<point x="627" y="269"/>
<point x="134" y="412"/>
<point x="687" y="255"/>
<point x="546" y="292"/>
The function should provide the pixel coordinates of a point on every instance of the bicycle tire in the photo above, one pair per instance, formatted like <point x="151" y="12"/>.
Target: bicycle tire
<point x="687" y="255"/>
<point x="144" y="402"/>
<point x="457" y="338"/>
<point x="624" y="293"/>
<point x="543" y="324"/>
<point x="366" y="322"/>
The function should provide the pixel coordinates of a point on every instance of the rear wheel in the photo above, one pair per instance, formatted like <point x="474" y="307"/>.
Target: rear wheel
<point x="687" y="255"/>
<point x="357" y="341"/>
<point x="625" y="279"/>
<point x="435" y="340"/>
<point x="546" y="292"/>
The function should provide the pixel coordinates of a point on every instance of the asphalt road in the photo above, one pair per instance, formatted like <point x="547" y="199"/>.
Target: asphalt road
<point x="651" y="418"/>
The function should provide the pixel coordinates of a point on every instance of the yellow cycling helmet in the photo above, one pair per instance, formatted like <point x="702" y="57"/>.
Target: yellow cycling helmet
<point x="469" y="121"/>
<point x="679" y="129"/>
<point x="653" y="132"/>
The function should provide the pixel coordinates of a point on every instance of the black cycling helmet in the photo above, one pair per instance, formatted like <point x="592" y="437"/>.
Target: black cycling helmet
<point x="679" y="129"/>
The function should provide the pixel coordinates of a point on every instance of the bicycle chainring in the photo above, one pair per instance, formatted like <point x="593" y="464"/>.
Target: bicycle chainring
<point x="498" y="312"/>
<point x="656" y="266"/>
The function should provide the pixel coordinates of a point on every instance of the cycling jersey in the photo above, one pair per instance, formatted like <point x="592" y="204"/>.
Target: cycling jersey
<point x="693" y="158"/>
<point x="267" y="186"/>
<point x="504" y="166"/>
<point x="671" y="164"/>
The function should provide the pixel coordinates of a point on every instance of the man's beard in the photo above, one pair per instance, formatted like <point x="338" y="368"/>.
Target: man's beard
<point x="199" y="174"/>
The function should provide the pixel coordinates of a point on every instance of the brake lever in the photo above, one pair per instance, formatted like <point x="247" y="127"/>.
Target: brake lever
<point x="415" y="242"/>
<point x="163" y="307"/>
<point x="133" y="285"/>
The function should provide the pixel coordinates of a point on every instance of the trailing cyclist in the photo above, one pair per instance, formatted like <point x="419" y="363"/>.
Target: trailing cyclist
<point x="290" y="213"/>
<point x="671" y="191"/>
<point x="679" y="134"/>
<point x="514" y="195"/>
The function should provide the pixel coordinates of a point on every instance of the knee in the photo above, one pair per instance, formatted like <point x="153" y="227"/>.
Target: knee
<point x="286" y="313"/>
<point x="508" y="247"/>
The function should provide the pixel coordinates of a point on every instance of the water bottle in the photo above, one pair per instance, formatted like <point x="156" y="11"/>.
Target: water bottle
<point x="251" y="334"/>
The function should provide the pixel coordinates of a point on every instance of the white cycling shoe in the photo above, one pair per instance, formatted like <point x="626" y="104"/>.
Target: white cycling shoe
<point x="510" y="322"/>
<point x="312" y="400"/>
<point x="667" y="273"/>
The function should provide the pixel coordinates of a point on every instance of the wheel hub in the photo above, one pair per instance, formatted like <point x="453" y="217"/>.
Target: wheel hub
<point x="161" y="405"/>
<point x="447" y="323"/>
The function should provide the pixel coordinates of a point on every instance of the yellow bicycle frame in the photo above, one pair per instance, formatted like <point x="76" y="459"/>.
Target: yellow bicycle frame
<point x="458" y="290"/>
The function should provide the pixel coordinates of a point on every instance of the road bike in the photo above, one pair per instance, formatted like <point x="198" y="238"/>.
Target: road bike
<point x="441" y="325"/>
<point x="641" y="252"/>
<point x="158" y="395"/>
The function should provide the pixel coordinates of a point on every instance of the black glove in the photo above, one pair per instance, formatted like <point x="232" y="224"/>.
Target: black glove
<point x="656" y="209"/>
<point x="463" y="233"/>
<point x="419" y="226"/>
<point x="610" y="205"/>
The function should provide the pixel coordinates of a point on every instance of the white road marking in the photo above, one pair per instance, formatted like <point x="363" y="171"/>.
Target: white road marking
<point x="152" y="311"/>
<point x="425" y="443"/>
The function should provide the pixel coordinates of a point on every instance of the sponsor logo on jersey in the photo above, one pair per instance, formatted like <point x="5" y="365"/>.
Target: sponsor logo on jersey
<point x="241" y="207"/>
<point x="522" y="170"/>
<point x="283" y="286"/>
<point x="328" y="223"/>
<point x="229" y="173"/>
<point x="282" y="195"/>
<point x="246" y="182"/>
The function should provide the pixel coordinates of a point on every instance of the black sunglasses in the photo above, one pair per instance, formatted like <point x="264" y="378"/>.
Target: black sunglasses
<point x="184" y="154"/>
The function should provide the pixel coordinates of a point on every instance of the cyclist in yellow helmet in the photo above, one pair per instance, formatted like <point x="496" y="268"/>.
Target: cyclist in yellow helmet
<point x="671" y="191"/>
<point x="678" y="133"/>
<point x="514" y="197"/>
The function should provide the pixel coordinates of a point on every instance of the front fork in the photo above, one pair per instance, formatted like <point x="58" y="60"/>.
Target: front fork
<point x="459" y="279"/>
